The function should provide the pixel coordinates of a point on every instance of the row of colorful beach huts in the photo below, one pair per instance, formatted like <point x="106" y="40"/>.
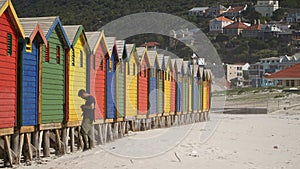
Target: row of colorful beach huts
<point x="43" y="65"/>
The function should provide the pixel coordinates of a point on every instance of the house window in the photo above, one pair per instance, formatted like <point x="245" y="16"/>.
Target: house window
<point x="101" y="63"/>
<point x="128" y="69"/>
<point x="159" y="74"/>
<point x="73" y="57"/>
<point x="58" y="55"/>
<point x="28" y="45"/>
<point x="140" y="69"/>
<point x="165" y="75"/>
<point x="110" y="65"/>
<point x="287" y="83"/>
<point x="47" y="53"/>
<point x="94" y="63"/>
<point x="9" y="44"/>
<point x="292" y="83"/>
<point x="81" y="59"/>
<point x="120" y="67"/>
<point x="133" y="68"/>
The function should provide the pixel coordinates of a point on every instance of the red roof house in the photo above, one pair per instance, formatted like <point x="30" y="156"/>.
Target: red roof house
<point x="253" y="30"/>
<point x="289" y="77"/>
<point x="235" y="28"/>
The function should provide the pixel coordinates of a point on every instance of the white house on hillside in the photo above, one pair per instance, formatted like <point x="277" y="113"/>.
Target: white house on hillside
<point x="198" y="11"/>
<point x="216" y="25"/>
<point x="235" y="73"/>
<point x="293" y="17"/>
<point x="266" y="8"/>
<point x="234" y="12"/>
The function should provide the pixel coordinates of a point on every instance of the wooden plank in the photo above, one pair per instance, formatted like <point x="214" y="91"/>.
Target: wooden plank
<point x="120" y="119"/>
<point x="73" y="123"/>
<point x="8" y="150"/>
<point x="141" y="116"/>
<point x="46" y="147"/>
<point x="109" y="120"/>
<point x="58" y="142"/>
<point x="28" y="144"/>
<point x="64" y="139"/>
<point x="152" y="115"/>
<point x="99" y="121"/>
<point x="27" y="129"/>
<point x="20" y="148"/>
<point x="35" y="142"/>
<point x="6" y="131"/>
<point x="72" y="139"/>
<point x="50" y="126"/>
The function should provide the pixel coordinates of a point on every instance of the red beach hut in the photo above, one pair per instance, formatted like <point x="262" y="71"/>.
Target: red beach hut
<point x="10" y="33"/>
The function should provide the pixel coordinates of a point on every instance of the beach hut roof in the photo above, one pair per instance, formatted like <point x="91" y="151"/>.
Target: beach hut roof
<point x="5" y="4"/>
<point x="94" y="39"/>
<point x="110" y="41"/>
<point x="121" y="48"/>
<point x="31" y="29"/>
<point x="152" y="54"/>
<point x="48" y="24"/>
<point x="73" y="33"/>
<point x="167" y="62"/>
<point x="130" y="48"/>
<point x="178" y="63"/>
<point x="160" y="58"/>
<point x="186" y="67"/>
<point x="140" y="51"/>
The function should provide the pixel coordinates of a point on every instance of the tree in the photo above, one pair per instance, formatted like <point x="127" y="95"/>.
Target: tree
<point x="279" y="14"/>
<point x="251" y="14"/>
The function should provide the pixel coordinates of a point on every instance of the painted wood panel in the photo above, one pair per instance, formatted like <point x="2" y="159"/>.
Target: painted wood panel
<point x="186" y="94"/>
<point x="131" y="82"/>
<point x="8" y="70"/>
<point x="111" y="84"/>
<point x="200" y="96"/>
<point x="53" y="80"/>
<point x="153" y="94"/>
<point x="97" y="82"/>
<point x="77" y="77"/>
<point x="121" y="89"/>
<point x="190" y="95"/>
<point x="143" y="84"/>
<point x="131" y="88"/>
<point x="173" y="91"/>
<point x="179" y="98"/>
<point x="195" y="95"/>
<point x="160" y="93"/>
<point x="29" y="85"/>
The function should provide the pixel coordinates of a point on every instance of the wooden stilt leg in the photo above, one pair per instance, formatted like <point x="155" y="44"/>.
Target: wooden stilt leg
<point x="28" y="144"/>
<point x="79" y="139"/>
<point x="40" y="143"/>
<point x="72" y="139"/>
<point x="8" y="150"/>
<point x="58" y="142"/>
<point x="15" y="139"/>
<point x="20" y="148"/>
<point x="105" y="132"/>
<point x="46" y="147"/>
<point x="64" y="140"/>
<point x="35" y="142"/>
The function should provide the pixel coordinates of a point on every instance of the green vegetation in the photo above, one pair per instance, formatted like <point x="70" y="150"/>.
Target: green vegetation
<point x="93" y="14"/>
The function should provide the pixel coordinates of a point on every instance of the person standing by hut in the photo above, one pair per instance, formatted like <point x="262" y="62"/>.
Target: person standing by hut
<point x="88" y="110"/>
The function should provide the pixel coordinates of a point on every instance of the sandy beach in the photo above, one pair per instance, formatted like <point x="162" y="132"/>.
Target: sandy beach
<point x="265" y="141"/>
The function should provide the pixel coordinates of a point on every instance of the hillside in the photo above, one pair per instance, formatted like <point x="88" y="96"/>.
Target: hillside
<point x="93" y="14"/>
